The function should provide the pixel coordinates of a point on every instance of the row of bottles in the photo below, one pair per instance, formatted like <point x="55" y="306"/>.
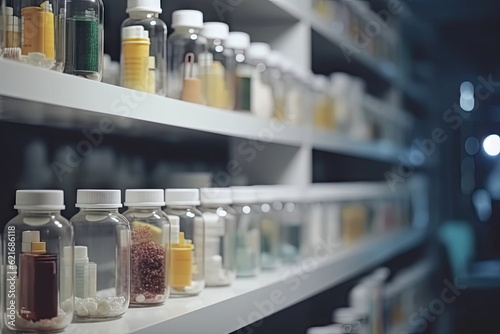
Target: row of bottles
<point x="100" y="262"/>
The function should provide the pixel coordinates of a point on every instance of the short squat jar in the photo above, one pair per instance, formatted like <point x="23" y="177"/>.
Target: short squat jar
<point x="187" y="264"/>
<point x="220" y="236"/>
<point x="102" y="256"/>
<point x="37" y="242"/>
<point x="150" y="252"/>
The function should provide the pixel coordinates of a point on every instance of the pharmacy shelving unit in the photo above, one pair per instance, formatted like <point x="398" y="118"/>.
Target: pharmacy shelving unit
<point x="268" y="152"/>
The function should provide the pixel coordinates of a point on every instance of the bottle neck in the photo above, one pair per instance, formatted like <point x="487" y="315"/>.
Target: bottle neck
<point x="187" y="31"/>
<point x="145" y="208"/>
<point x="39" y="213"/>
<point x="142" y="15"/>
<point x="100" y="210"/>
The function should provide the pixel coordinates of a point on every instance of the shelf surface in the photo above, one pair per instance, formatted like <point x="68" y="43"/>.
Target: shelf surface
<point x="224" y="310"/>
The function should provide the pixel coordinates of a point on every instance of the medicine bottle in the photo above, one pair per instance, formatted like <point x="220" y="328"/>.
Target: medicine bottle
<point x="85" y="38"/>
<point x="261" y="96"/>
<point x="220" y="236"/>
<point x="185" y="45"/>
<point x="236" y="45"/>
<point x="38" y="288"/>
<point x="102" y="256"/>
<point x="270" y="213"/>
<point x="274" y="77"/>
<point x="150" y="249"/>
<point x="215" y="76"/>
<point x="187" y="265"/>
<point x="292" y="223"/>
<point x="143" y="62"/>
<point x="248" y="249"/>
<point x="324" y="107"/>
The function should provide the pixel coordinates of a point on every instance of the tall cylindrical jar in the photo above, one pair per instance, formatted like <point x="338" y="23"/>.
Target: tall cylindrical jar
<point x="274" y="77"/>
<point x="270" y="208"/>
<point x="248" y="249"/>
<point x="143" y="64"/>
<point x="236" y="45"/>
<point x="150" y="250"/>
<point x="261" y="96"/>
<point x="38" y="255"/>
<point x="36" y="33"/>
<point x="220" y="236"/>
<point x="85" y="38"/>
<point x="324" y="117"/>
<point x="187" y="265"/>
<point x="102" y="256"/>
<point x="185" y="45"/>
<point x="292" y="224"/>
<point x="216" y="77"/>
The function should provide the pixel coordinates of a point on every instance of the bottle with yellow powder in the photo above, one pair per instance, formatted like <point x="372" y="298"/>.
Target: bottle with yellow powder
<point x="150" y="249"/>
<point x="187" y="262"/>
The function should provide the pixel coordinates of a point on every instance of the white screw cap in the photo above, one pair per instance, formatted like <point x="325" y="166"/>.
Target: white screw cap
<point x="39" y="199"/>
<point x="187" y="18"/>
<point x="216" y="196"/>
<point x="133" y="32"/>
<point x="92" y="198"/>
<point x="215" y="30"/>
<point x="174" y="197"/>
<point x="244" y="195"/>
<point x="258" y="51"/>
<point x="346" y="316"/>
<point x="150" y="6"/>
<point x="237" y="40"/>
<point x="144" y="197"/>
<point x="81" y="252"/>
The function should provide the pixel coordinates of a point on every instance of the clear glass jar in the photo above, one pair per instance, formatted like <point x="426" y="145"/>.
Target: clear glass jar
<point x="150" y="250"/>
<point x="240" y="71"/>
<point x="274" y="77"/>
<point x="248" y="248"/>
<point x="38" y="255"/>
<point x="3" y="26"/>
<point x="185" y="71"/>
<point x="102" y="256"/>
<point x="261" y="95"/>
<point x="220" y="236"/>
<point x="36" y="33"/>
<point x="143" y="64"/>
<point x="85" y="38"/>
<point x="270" y="209"/>
<point x="215" y="76"/>
<point x="314" y="232"/>
<point x="354" y="220"/>
<point x="323" y="107"/>
<point x="187" y="265"/>
<point x="293" y="220"/>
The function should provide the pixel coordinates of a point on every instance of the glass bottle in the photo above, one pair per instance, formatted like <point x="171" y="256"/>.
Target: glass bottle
<point x="241" y="72"/>
<point x="85" y="38"/>
<point x="220" y="236"/>
<point x="323" y="107"/>
<point x="215" y="77"/>
<point x="293" y="219"/>
<point x="248" y="249"/>
<point x="270" y="209"/>
<point x="150" y="250"/>
<point x="314" y="233"/>
<point x="36" y="33"/>
<point x="38" y="251"/>
<point x="185" y="45"/>
<point x="187" y="265"/>
<point x="102" y="256"/>
<point x="143" y="64"/>
<point x="274" y="77"/>
<point x="3" y="27"/>
<point x="261" y="96"/>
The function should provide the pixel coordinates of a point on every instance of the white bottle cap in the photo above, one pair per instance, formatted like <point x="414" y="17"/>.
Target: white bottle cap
<point x="174" y="197"/>
<point x="216" y="196"/>
<point x="81" y="253"/>
<point x="133" y="32"/>
<point x="187" y="18"/>
<point x="287" y="66"/>
<point x="274" y="59"/>
<point x="31" y="236"/>
<point x="150" y="6"/>
<point x="215" y="30"/>
<point x="244" y="195"/>
<point x="9" y="11"/>
<point x="175" y="228"/>
<point x="346" y="316"/>
<point x="144" y="197"/>
<point x="39" y="199"/>
<point x="105" y="199"/>
<point x="258" y="51"/>
<point x="237" y="40"/>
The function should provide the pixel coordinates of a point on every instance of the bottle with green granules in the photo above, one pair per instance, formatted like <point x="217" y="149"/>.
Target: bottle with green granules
<point x="84" y="38"/>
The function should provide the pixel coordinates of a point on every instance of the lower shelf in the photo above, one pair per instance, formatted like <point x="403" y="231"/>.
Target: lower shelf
<point x="224" y="310"/>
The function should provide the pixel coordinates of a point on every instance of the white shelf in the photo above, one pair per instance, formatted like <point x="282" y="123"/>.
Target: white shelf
<point x="223" y="310"/>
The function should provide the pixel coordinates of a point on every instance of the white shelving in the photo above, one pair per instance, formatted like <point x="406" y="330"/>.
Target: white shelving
<point x="223" y="310"/>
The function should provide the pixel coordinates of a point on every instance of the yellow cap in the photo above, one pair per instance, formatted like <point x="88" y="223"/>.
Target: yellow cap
<point x="38" y="248"/>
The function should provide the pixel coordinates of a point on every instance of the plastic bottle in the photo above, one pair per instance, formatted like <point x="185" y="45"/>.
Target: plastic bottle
<point x="220" y="236"/>
<point x="144" y="54"/>
<point x="236" y="45"/>
<point x="261" y="95"/>
<point x="187" y="265"/>
<point x="102" y="256"/>
<point x="85" y="38"/>
<point x="185" y="46"/>
<point x="38" y="290"/>
<point x="215" y="76"/>
<point x="248" y="242"/>
<point x="150" y="251"/>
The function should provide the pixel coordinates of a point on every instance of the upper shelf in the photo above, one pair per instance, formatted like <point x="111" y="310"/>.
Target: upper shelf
<point x="251" y="299"/>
